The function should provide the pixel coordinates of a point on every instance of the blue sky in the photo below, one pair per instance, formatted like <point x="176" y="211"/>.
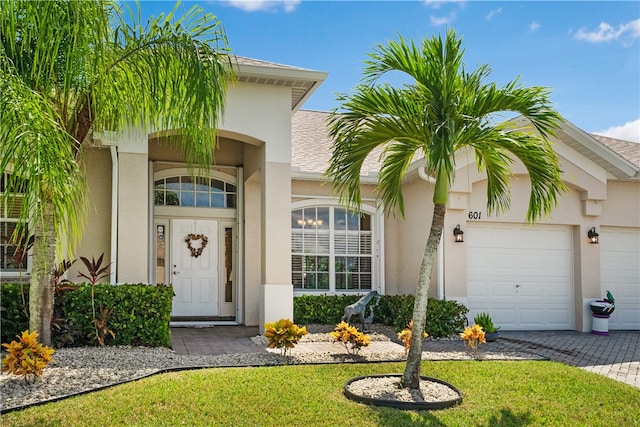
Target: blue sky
<point x="588" y="53"/>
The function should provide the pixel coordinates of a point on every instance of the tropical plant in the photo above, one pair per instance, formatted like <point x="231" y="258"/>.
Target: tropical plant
<point x="102" y="328"/>
<point x="69" y="69"/>
<point x="473" y="336"/>
<point x="63" y="331"/>
<point x="95" y="272"/>
<point x="283" y="334"/>
<point x="405" y="336"/>
<point x="62" y="284"/>
<point x="350" y="337"/>
<point x="440" y="110"/>
<point x="485" y="321"/>
<point x="26" y="357"/>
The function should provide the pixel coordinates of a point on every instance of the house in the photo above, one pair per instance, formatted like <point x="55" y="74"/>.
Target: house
<point x="240" y="242"/>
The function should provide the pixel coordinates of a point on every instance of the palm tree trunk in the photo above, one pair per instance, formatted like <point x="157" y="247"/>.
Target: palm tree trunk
<point x="41" y="292"/>
<point x="411" y="376"/>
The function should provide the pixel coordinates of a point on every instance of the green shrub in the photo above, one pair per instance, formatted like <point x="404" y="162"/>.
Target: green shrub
<point x="14" y="300"/>
<point x="139" y="314"/>
<point x="321" y="309"/>
<point x="444" y="318"/>
<point x="395" y="310"/>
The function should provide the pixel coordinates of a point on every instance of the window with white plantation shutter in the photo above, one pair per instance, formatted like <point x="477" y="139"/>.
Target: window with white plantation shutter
<point x="13" y="257"/>
<point x="331" y="249"/>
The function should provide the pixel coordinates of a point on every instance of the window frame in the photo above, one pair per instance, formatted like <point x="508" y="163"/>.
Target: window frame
<point x="180" y="173"/>
<point x="17" y="272"/>
<point x="377" y="255"/>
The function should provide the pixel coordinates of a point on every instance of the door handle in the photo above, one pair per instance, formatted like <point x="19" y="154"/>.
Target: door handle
<point x="176" y="272"/>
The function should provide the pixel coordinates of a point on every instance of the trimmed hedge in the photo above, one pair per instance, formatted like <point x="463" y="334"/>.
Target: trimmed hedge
<point x="14" y="300"/>
<point x="444" y="318"/>
<point x="140" y="313"/>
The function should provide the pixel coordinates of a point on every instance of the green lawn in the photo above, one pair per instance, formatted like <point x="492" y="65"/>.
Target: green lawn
<point x="513" y="393"/>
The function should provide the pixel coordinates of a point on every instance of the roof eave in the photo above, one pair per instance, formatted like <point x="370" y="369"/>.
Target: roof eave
<point x="624" y="168"/>
<point x="303" y="82"/>
<point x="298" y="175"/>
<point x="599" y="153"/>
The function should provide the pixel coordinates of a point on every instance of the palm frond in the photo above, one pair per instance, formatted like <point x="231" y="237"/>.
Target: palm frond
<point x="441" y="110"/>
<point x="69" y="67"/>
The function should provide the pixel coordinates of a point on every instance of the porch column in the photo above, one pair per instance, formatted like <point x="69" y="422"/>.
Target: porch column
<point x="587" y="277"/>
<point x="133" y="218"/>
<point x="276" y="291"/>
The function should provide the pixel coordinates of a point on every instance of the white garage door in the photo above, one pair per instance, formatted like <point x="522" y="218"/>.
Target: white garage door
<point x="620" y="274"/>
<point x="521" y="275"/>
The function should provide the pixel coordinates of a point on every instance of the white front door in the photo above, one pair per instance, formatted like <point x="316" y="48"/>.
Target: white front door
<point x="194" y="267"/>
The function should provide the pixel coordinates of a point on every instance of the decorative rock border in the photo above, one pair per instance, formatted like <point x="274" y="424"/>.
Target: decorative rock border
<point x="416" y="405"/>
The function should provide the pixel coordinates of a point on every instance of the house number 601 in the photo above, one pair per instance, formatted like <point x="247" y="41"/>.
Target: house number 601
<point x="475" y="215"/>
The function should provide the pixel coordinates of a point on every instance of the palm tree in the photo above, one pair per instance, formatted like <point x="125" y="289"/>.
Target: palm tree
<point x="441" y="110"/>
<point x="70" y="68"/>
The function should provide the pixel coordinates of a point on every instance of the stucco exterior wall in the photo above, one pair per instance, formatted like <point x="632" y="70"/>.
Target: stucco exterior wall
<point x="228" y="152"/>
<point x="306" y="189"/>
<point x="133" y="218"/>
<point x="252" y="249"/>
<point x="405" y="239"/>
<point x="592" y="199"/>
<point x="97" y="230"/>
<point x="622" y="206"/>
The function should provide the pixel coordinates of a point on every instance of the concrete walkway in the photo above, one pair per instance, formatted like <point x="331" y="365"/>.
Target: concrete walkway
<point x="616" y="356"/>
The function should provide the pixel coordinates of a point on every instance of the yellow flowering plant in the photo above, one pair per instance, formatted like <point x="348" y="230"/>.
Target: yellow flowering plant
<point x="26" y="357"/>
<point x="283" y="334"/>
<point x="473" y="336"/>
<point x="351" y="337"/>
<point x="405" y="336"/>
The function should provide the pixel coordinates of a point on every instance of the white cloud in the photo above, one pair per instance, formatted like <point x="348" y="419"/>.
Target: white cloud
<point x="257" y="5"/>
<point x="629" y="131"/>
<point x="534" y="26"/>
<point x="606" y="32"/>
<point x="442" y="20"/>
<point x="436" y="4"/>
<point x="493" y="13"/>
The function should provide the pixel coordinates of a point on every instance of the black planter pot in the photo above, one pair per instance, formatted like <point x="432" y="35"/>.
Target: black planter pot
<point x="412" y="406"/>
<point x="491" y="337"/>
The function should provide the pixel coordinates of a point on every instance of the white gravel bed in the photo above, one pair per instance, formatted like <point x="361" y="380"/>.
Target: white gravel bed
<point x="76" y="370"/>
<point x="389" y="388"/>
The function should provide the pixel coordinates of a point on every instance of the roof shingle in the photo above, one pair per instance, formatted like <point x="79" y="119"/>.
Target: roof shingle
<point x="311" y="145"/>
<point x="627" y="149"/>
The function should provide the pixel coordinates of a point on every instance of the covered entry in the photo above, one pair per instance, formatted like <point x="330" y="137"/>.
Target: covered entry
<point x="195" y="220"/>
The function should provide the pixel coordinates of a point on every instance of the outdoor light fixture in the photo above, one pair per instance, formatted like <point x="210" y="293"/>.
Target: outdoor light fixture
<point x="593" y="236"/>
<point x="458" y="234"/>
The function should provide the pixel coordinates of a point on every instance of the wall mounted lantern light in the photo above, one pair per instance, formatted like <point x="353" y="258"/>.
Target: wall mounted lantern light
<point x="458" y="234"/>
<point x="593" y="236"/>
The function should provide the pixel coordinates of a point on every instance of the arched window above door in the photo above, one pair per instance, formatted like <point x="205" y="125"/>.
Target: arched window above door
<point x="200" y="192"/>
